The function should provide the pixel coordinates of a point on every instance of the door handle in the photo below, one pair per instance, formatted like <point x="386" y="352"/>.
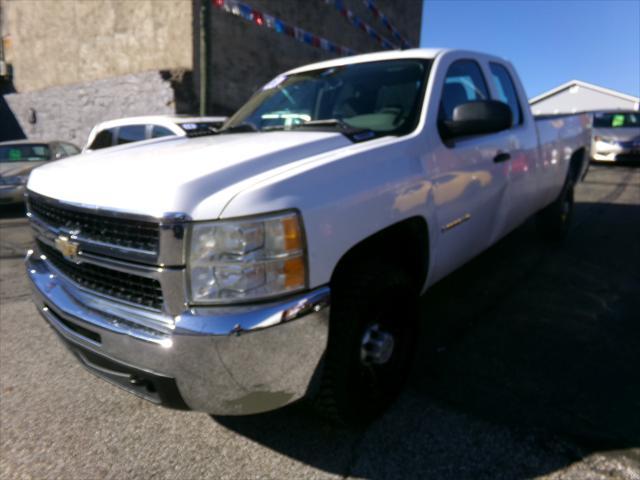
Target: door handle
<point x="501" y="157"/>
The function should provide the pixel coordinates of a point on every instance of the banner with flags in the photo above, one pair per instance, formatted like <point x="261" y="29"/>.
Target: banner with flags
<point x="263" y="19"/>
<point x="375" y="11"/>
<point x="357" y="22"/>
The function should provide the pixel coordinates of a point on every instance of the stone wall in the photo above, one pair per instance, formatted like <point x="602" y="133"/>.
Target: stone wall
<point x="69" y="112"/>
<point x="58" y="42"/>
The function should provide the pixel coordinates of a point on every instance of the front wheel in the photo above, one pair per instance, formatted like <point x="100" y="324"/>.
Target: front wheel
<point x="372" y="338"/>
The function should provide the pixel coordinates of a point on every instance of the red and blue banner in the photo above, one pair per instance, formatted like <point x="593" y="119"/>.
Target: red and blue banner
<point x="375" y="11"/>
<point x="263" y="19"/>
<point x="357" y="22"/>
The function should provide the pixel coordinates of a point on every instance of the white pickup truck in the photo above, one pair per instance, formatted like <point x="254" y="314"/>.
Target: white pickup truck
<point x="283" y="257"/>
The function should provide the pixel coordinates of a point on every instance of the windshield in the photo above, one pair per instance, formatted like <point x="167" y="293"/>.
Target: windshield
<point x="616" y="120"/>
<point x="30" y="152"/>
<point x="381" y="97"/>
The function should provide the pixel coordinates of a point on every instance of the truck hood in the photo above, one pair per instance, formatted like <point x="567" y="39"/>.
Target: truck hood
<point x="194" y="176"/>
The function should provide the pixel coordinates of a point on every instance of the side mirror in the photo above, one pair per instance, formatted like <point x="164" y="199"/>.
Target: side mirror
<point x="477" y="118"/>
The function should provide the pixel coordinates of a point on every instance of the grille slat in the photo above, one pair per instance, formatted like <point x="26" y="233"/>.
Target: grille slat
<point x="121" y="232"/>
<point x="124" y="286"/>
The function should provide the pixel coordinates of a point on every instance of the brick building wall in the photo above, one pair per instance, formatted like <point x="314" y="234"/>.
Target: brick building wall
<point x="244" y="56"/>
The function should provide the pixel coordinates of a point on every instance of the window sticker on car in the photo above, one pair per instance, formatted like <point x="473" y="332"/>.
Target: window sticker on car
<point x="617" y="121"/>
<point x="15" y="154"/>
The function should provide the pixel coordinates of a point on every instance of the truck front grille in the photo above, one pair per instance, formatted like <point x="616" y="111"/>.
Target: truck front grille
<point x="123" y="286"/>
<point x="111" y="230"/>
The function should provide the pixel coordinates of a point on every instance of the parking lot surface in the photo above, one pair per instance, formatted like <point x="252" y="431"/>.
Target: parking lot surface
<point x="529" y="367"/>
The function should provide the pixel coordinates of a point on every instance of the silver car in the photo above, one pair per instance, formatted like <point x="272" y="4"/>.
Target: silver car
<point x="616" y="137"/>
<point x="19" y="157"/>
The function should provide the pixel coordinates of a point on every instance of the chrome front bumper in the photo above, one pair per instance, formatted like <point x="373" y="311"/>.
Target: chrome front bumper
<point x="223" y="360"/>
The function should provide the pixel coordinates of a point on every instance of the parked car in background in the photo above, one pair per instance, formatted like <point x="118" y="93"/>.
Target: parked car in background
<point x="616" y="137"/>
<point x="135" y="129"/>
<point x="19" y="157"/>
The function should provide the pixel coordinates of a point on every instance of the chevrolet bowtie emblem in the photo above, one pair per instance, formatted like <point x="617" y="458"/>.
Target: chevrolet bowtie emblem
<point x="67" y="247"/>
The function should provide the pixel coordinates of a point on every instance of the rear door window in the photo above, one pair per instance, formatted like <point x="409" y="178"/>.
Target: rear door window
<point x="131" y="133"/>
<point x="506" y="91"/>
<point x="157" y="131"/>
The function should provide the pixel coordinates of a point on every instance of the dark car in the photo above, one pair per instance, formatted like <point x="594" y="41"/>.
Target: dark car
<point x="19" y="157"/>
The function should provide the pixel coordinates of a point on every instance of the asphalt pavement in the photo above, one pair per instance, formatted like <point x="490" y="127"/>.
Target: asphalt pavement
<point x="529" y="367"/>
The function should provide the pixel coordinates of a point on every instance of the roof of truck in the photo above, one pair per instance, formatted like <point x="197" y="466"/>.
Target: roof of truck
<point x="428" y="53"/>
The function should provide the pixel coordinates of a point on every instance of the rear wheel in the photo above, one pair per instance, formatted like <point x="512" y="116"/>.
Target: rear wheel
<point x="372" y="337"/>
<point x="554" y="220"/>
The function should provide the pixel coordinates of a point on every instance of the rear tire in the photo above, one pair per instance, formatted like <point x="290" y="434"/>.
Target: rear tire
<point x="372" y="338"/>
<point x="554" y="220"/>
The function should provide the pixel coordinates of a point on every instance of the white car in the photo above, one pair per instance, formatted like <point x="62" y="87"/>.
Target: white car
<point x="283" y="256"/>
<point x="616" y="137"/>
<point x="135" y="129"/>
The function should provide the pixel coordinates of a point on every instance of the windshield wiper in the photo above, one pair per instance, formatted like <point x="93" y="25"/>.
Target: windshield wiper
<point x="355" y="134"/>
<point x="328" y="122"/>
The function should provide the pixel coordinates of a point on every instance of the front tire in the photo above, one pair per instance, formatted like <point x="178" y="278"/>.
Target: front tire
<point x="372" y="338"/>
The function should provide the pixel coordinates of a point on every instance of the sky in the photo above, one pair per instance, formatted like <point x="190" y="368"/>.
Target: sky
<point x="548" y="41"/>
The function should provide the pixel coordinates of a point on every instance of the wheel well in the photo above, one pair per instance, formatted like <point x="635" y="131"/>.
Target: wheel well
<point x="405" y="244"/>
<point x="576" y="164"/>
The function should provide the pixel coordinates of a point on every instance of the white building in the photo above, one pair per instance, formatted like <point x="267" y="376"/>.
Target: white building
<point x="577" y="96"/>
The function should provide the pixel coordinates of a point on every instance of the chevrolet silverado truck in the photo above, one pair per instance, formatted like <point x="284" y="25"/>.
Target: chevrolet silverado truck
<point x="282" y="257"/>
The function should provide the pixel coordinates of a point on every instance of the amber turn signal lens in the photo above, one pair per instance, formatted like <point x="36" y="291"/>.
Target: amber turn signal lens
<point x="292" y="234"/>
<point x="294" y="273"/>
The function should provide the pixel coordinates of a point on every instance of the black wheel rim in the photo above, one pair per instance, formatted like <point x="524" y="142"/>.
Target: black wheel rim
<point x="380" y="382"/>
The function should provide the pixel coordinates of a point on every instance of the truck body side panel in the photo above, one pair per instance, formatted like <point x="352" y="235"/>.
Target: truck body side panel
<point x="558" y="139"/>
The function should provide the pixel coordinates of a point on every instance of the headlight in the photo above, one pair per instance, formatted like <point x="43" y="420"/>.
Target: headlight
<point x="609" y="141"/>
<point x="251" y="259"/>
